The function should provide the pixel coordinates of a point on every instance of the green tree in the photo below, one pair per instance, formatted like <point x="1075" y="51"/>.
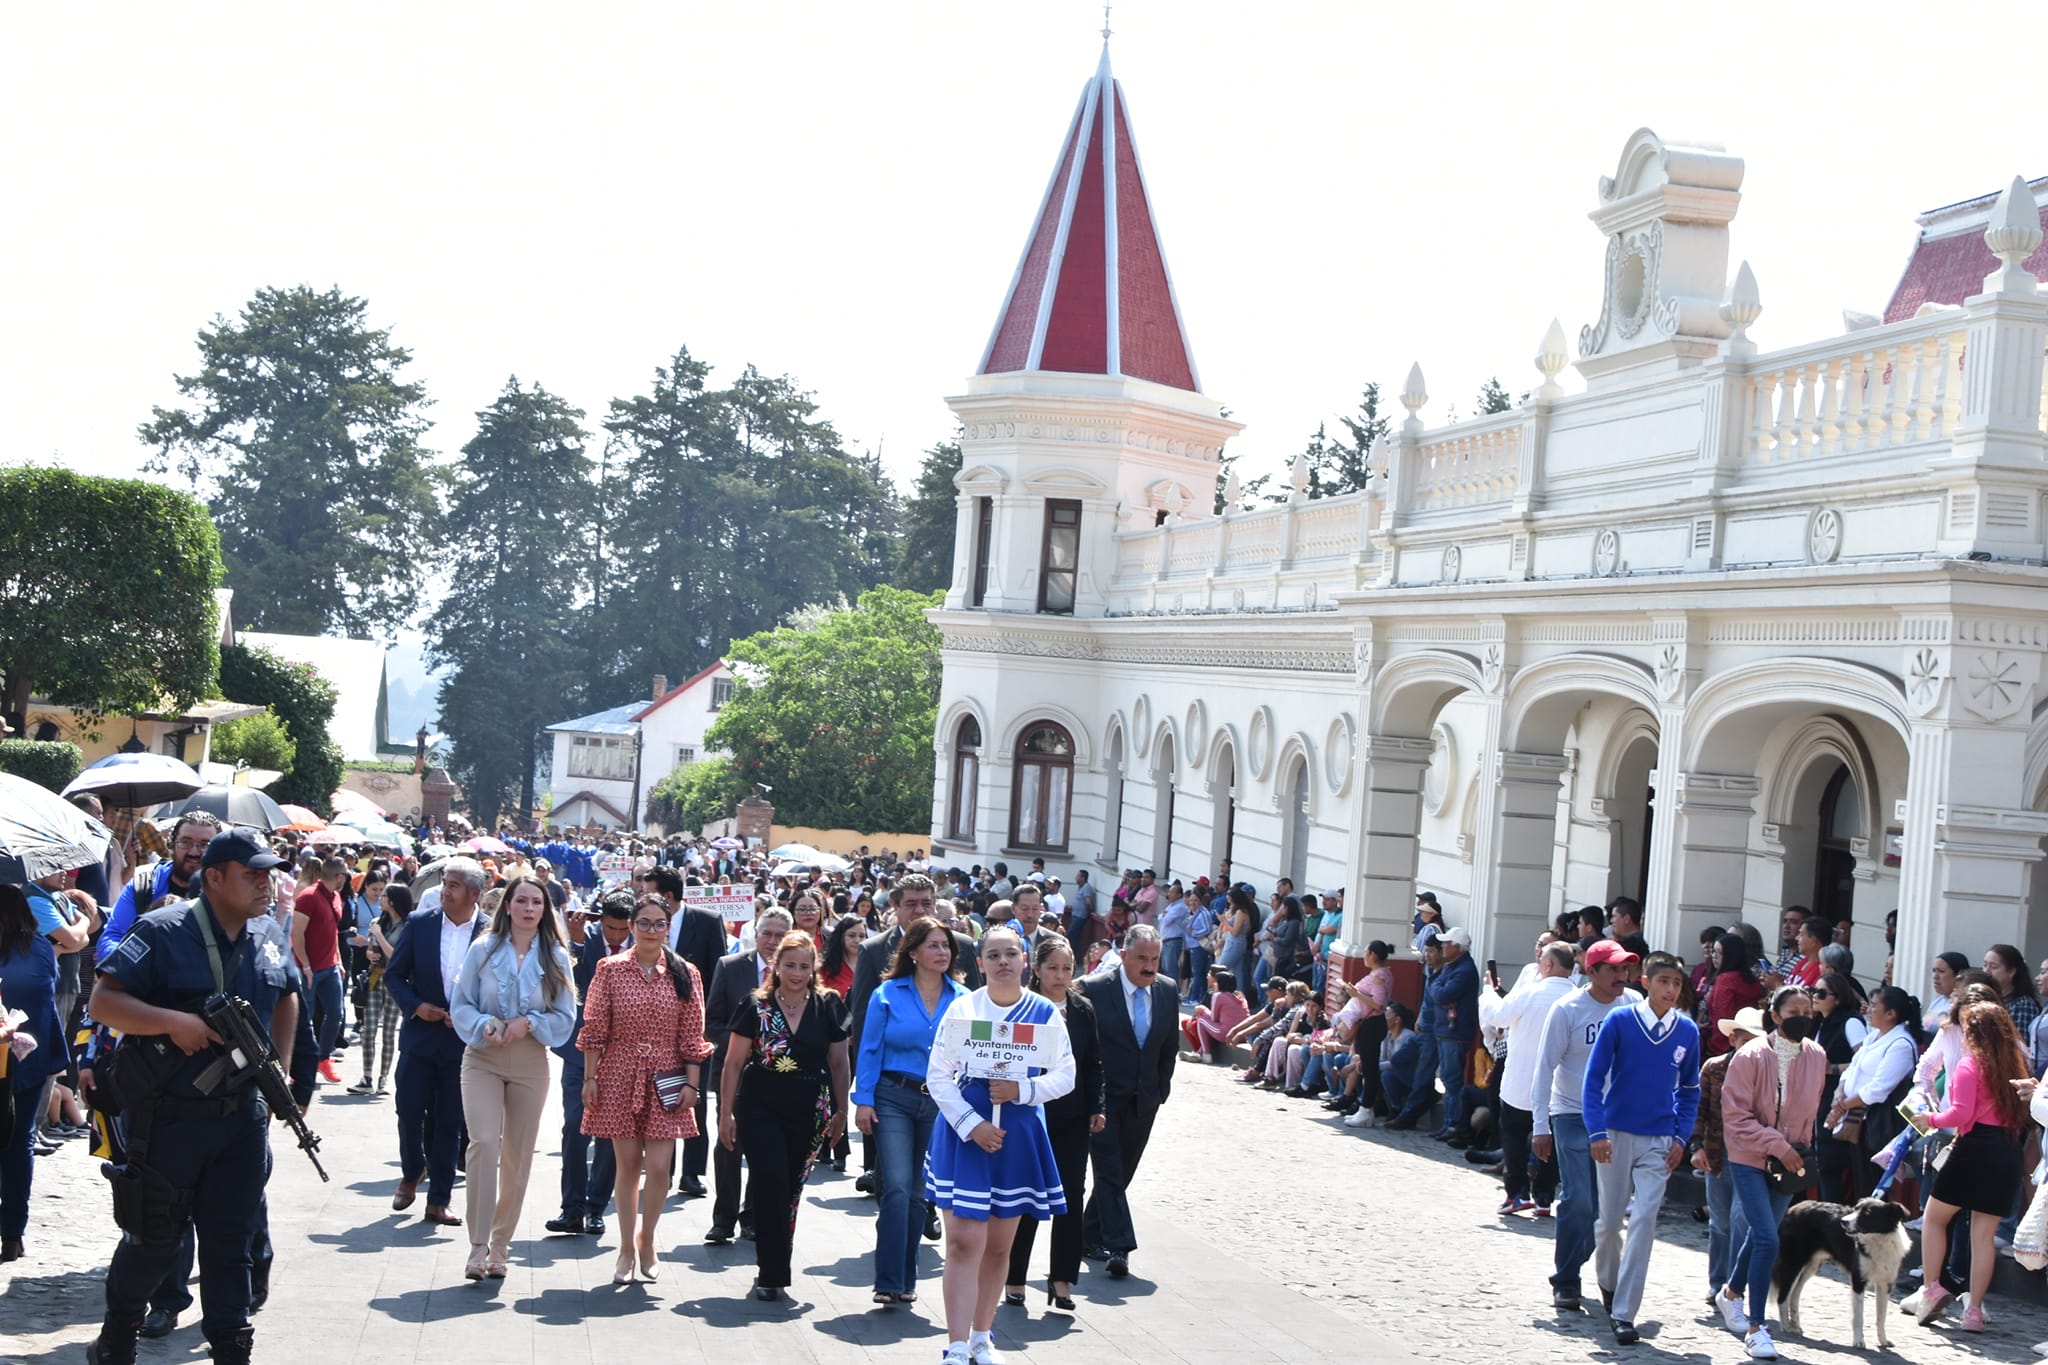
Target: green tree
<point x="49" y="764"/>
<point x="1349" y="468"/>
<point x="694" y="795"/>
<point x="261" y="741"/>
<point x="506" y="629"/>
<point x="106" y="594"/>
<point x="304" y="700"/>
<point x="1492" y="398"/>
<point x="924" y="561"/>
<point x="725" y="509"/>
<point x="838" y="717"/>
<point x="305" y="443"/>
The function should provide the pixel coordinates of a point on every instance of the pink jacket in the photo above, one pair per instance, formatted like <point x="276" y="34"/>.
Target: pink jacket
<point x="1752" y="1124"/>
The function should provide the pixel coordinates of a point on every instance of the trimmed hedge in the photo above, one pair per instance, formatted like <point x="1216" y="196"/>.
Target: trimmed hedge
<point x="49" y="764"/>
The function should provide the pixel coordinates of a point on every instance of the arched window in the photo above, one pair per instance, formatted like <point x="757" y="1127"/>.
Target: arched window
<point x="1296" y="859"/>
<point x="1045" y="786"/>
<point x="1162" y="829"/>
<point x="1223" y="826"/>
<point x="966" y="781"/>
<point x="1113" y="819"/>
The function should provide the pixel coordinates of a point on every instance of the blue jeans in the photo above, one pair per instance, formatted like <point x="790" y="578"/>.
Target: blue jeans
<point x="1196" y="988"/>
<point x="903" y="1129"/>
<point x="18" y="1162"/>
<point x="587" y="1177"/>
<point x="1315" y="1073"/>
<point x="1758" y="1251"/>
<point x="1443" y="1058"/>
<point x="1726" y="1226"/>
<point x="1170" y="952"/>
<point x="1578" y="1204"/>
<point x="1407" y="1078"/>
<point x="326" y="1010"/>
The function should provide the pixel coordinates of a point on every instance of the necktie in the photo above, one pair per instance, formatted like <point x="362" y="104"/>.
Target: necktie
<point x="1141" y="1014"/>
<point x="764" y="975"/>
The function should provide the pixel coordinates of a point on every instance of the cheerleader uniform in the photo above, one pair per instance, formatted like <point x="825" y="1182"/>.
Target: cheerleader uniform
<point x="1022" y="1176"/>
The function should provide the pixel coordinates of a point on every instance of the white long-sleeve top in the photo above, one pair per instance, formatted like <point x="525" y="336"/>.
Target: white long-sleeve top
<point x="942" y="1075"/>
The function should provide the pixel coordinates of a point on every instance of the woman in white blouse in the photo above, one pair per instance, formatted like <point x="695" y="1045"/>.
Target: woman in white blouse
<point x="514" y="1000"/>
<point x="1885" y="1062"/>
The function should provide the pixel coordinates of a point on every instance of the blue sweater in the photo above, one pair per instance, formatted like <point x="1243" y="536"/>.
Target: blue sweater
<point x="1639" y="1083"/>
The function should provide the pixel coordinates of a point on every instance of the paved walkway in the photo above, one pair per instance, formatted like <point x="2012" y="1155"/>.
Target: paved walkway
<point x="1270" y="1233"/>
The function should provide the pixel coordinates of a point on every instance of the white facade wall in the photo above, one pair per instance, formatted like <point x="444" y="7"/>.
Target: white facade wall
<point x="1607" y="642"/>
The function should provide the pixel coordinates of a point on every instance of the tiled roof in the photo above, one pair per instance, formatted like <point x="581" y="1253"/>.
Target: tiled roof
<point x="1092" y="294"/>
<point x="1950" y="267"/>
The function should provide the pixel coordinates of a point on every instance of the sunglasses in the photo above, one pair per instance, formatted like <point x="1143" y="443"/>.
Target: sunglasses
<point x="1823" y="995"/>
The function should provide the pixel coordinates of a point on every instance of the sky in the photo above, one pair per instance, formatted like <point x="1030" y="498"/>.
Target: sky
<point x="839" y="192"/>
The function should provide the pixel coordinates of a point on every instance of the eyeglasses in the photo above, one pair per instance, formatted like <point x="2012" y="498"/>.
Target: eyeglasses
<point x="650" y="926"/>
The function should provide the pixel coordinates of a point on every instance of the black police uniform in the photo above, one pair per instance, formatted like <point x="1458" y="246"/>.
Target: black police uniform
<point x="217" y="1148"/>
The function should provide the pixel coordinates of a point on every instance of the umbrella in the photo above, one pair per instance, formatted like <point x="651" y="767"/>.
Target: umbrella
<point x="346" y="802"/>
<point x="132" y="780"/>
<point x="488" y="843"/>
<point x="804" y="851"/>
<point x="302" y="819"/>
<point x="41" y="833"/>
<point x="234" y="806"/>
<point x="727" y="843"/>
<point x="373" y="831"/>
<point x="435" y="852"/>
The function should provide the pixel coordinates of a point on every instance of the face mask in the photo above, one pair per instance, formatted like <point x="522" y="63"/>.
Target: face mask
<point x="1798" y="1028"/>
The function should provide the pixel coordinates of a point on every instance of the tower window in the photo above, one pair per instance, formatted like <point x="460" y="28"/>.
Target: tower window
<point x="1059" y="558"/>
<point x="984" y="524"/>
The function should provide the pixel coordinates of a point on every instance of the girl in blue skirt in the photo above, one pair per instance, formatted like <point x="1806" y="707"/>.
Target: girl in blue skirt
<point x="985" y="1174"/>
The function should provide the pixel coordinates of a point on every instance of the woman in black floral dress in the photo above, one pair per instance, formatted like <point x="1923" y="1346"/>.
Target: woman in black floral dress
<point x="787" y="1064"/>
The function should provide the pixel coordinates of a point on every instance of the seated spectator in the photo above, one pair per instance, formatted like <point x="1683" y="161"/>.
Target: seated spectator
<point x="1310" y="1026"/>
<point x="1403" y="1063"/>
<point x="1265" y="1015"/>
<point x="1281" y="1020"/>
<point x="1212" y="1023"/>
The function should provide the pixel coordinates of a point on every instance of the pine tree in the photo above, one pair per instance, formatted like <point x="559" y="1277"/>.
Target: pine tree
<point x="924" y="561"/>
<point x="1493" y="398"/>
<point x="520" y="574"/>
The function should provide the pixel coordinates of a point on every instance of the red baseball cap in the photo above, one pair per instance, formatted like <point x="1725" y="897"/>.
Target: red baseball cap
<point x="1609" y="953"/>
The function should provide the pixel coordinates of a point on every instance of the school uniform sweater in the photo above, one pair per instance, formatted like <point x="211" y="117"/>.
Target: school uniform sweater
<point x="1643" y="1076"/>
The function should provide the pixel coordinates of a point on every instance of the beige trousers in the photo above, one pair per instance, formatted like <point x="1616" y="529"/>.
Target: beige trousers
<point x="504" y="1090"/>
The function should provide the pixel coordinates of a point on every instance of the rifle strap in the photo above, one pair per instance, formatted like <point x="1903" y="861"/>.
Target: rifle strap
<point x="221" y="973"/>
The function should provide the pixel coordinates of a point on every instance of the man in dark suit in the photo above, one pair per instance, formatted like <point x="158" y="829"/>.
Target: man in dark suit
<point x="587" y="1175"/>
<point x="420" y="977"/>
<point x="698" y="937"/>
<point x="1137" y="1015"/>
<point x="732" y="989"/>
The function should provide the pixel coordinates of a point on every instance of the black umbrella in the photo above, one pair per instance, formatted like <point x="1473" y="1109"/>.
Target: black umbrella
<point x="41" y="833"/>
<point x="234" y="806"/>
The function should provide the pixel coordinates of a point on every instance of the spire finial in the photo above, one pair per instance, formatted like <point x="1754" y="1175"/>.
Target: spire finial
<point x="1105" y="26"/>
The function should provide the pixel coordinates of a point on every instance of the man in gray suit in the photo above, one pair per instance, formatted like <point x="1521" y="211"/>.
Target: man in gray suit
<point x="1137" y="1019"/>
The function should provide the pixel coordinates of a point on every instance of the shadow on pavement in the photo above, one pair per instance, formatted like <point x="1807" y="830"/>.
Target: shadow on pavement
<point x="881" y="1326"/>
<point x="567" y="1307"/>
<point x="740" y="1312"/>
<point x="454" y="1301"/>
<point x="47" y="1302"/>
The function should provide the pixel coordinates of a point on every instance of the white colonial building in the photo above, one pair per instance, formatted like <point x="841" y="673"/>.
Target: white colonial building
<point x="1726" y="631"/>
<point x="607" y="764"/>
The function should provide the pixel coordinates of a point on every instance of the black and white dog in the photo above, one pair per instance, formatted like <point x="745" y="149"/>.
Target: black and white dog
<point x="1867" y="1239"/>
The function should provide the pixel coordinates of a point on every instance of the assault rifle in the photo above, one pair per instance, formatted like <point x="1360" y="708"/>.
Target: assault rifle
<point x="250" y="1055"/>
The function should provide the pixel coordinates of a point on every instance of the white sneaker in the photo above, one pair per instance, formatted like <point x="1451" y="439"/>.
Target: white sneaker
<point x="956" y="1354"/>
<point x="1760" y="1345"/>
<point x="984" y="1353"/>
<point x="2041" y="1348"/>
<point x="1732" y="1314"/>
<point x="1362" y="1119"/>
<point x="1910" y="1305"/>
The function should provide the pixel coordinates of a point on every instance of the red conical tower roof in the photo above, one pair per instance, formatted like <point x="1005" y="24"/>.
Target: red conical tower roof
<point x="1092" y="294"/>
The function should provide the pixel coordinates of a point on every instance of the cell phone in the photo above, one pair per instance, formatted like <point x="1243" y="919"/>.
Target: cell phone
<point x="1493" y="973"/>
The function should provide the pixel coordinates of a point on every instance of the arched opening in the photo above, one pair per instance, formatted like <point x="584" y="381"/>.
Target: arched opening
<point x="1294" y="856"/>
<point x="966" y="780"/>
<point x="1633" y="809"/>
<point x="1042" y="798"/>
<point x="1223" y="791"/>
<point x="1113" y="800"/>
<point x="1834" y="861"/>
<point x="1163" y="777"/>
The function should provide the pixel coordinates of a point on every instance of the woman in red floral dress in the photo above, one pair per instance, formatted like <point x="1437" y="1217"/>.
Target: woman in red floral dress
<point x="644" y="1016"/>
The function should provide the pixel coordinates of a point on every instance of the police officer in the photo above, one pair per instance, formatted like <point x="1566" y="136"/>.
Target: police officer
<point x="207" y="1154"/>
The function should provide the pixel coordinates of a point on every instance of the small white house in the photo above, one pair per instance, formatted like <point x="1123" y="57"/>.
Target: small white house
<point x="607" y="764"/>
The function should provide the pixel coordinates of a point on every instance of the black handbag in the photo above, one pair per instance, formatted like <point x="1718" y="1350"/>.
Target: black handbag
<point x="1783" y="1181"/>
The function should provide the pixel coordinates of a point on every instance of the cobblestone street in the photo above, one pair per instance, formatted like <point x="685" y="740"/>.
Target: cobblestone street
<point x="1268" y="1235"/>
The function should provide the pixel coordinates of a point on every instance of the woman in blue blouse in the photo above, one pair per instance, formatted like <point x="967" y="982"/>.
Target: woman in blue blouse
<point x="514" y="1000"/>
<point x="28" y="982"/>
<point x="890" y="1096"/>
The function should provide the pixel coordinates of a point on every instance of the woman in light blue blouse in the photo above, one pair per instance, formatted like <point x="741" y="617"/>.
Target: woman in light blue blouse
<point x="515" y="999"/>
<point x="890" y="1097"/>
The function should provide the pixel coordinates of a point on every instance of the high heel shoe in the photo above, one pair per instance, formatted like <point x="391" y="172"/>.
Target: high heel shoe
<point x="622" y="1273"/>
<point x="498" y="1265"/>
<point x="475" y="1269"/>
<point x="1054" y="1299"/>
<point x="649" y="1270"/>
<point x="1013" y="1298"/>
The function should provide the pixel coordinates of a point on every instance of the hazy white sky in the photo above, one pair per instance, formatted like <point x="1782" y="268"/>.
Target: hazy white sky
<point x="839" y="191"/>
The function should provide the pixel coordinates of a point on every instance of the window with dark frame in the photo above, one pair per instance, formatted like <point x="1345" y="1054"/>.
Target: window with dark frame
<point x="1059" y="556"/>
<point x="984" y="526"/>
<point x="1042" y="798"/>
<point x="721" y="692"/>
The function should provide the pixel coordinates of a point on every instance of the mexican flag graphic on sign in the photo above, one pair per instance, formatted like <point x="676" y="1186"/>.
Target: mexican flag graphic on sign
<point x="991" y="1031"/>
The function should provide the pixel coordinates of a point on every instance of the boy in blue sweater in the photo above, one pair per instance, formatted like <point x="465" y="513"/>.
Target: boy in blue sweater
<point x="1642" y="1092"/>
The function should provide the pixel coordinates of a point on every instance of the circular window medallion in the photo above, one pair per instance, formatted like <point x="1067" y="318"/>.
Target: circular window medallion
<point x="1824" y="536"/>
<point x="1606" y="553"/>
<point x="1454" y="563"/>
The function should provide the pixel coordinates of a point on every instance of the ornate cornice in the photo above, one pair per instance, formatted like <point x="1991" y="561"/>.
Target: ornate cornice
<point x="1045" y="645"/>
